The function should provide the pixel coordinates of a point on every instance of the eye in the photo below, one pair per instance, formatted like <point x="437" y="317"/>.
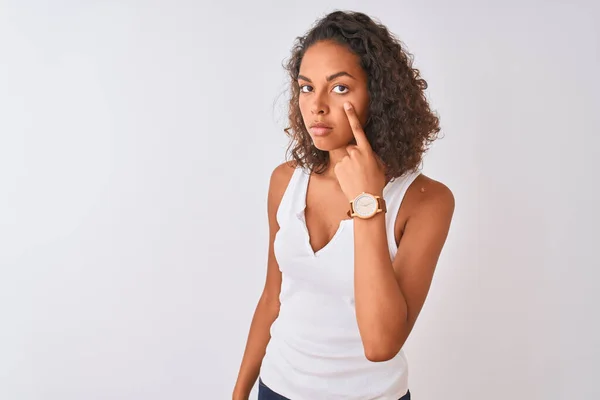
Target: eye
<point x="309" y="88"/>
<point x="341" y="86"/>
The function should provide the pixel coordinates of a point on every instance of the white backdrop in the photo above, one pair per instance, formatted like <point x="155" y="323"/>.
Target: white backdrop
<point x="136" y="144"/>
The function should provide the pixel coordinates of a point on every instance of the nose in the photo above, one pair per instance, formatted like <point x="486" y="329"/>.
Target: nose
<point x="319" y="104"/>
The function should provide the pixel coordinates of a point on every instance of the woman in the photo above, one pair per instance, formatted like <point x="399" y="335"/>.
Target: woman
<point x="355" y="228"/>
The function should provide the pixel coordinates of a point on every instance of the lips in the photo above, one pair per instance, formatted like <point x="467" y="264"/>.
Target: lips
<point x="320" y="131"/>
<point x="320" y="128"/>
<point x="320" y="125"/>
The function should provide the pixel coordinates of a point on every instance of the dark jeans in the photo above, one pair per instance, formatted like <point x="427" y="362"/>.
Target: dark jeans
<point x="264" y="393"/>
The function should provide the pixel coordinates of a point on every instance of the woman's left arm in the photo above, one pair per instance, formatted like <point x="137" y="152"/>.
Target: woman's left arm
<point x="389" y="295"/>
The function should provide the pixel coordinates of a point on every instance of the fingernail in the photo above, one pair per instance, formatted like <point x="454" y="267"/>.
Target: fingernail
<point x="347" y="106"/>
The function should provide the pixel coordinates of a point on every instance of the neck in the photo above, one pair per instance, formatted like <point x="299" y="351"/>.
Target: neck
<point x="334" y="157"/>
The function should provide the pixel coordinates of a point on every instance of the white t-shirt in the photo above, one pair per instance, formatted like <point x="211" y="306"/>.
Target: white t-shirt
<point x="315" y="351"/>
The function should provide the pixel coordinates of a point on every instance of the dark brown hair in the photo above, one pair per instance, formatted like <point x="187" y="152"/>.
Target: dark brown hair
<point x="400" y="125"/>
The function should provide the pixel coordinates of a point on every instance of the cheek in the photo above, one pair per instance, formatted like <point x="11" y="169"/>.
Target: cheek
<point x="362" y="108"/>
<point x="359" y="101"/>
<point x="337" y="112"/>
<point x="304" y="109"/>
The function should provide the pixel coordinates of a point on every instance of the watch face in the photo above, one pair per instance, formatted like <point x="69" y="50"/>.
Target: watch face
<point x="365" y="205"/>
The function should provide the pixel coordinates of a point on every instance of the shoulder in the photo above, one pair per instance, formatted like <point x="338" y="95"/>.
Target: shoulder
<point x="280" y="178"/>
<point x="281" y="175"/>
<point x="427" y="196"/>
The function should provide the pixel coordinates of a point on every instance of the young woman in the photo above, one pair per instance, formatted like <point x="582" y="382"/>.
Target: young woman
<point x="355" y="228"/>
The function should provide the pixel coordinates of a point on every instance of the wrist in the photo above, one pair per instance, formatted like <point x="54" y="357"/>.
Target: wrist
<point x="240" y="394"/>
<point x="367" y="205"/>
<point x="374" y="220"/>
<point x="371" y="191"/>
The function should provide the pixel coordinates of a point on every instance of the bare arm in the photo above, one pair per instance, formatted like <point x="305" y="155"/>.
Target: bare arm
<point x="389" y="294"/>
<point x="267" y="308"/>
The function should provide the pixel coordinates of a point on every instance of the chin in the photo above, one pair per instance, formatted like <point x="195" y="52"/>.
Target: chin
<point x="329" y="143"/>
<point x="326" y="144"/>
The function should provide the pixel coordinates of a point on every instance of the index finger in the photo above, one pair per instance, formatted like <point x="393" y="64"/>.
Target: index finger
<point x="357" y="130"/>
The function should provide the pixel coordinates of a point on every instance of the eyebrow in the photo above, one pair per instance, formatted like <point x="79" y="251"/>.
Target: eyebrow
<point x="330" y="77"/>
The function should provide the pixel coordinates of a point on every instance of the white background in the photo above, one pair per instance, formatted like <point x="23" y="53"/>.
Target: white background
<point x="136" y="144"/>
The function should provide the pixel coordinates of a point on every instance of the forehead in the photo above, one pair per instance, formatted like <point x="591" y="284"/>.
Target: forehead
<point x="325" y="58"/>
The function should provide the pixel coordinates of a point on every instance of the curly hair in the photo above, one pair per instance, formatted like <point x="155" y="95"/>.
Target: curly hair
<point x="400" y="125"/>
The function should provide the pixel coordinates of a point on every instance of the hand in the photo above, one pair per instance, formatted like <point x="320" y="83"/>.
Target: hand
<point x="360" y="170"/>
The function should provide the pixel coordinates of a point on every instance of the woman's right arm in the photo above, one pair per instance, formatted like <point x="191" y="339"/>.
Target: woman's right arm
<point x="267" y="308"/>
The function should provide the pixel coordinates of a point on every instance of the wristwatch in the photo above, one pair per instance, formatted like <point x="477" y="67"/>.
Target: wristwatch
<point x="366" y="205"/>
